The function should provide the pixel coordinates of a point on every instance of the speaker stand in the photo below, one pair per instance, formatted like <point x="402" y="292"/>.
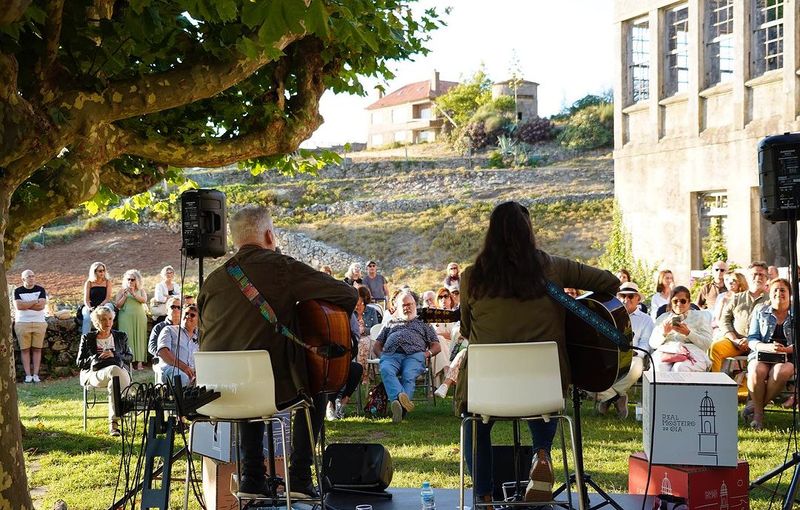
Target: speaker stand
<point x="199" y="273"/>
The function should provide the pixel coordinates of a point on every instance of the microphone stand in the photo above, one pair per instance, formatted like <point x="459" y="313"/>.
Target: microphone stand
<point x="794" y="462"/>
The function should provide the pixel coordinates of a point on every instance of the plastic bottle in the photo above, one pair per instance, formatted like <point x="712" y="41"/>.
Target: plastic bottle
<point x="426" y="497"/>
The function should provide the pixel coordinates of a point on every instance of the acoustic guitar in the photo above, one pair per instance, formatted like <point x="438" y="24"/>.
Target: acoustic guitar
<point x="325" y="326"/>
<point x="596" y="362"/>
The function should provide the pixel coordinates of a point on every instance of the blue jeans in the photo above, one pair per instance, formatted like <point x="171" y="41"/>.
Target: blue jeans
<point x="168" y="373"/>
<point x="400" y="371"/>
<point x="542" y="435"/>
<point x="86" y="325"/>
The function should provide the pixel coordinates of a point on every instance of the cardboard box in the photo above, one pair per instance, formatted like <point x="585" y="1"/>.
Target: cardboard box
<point x="695" y="418"/>
<point x="708" y="488"/>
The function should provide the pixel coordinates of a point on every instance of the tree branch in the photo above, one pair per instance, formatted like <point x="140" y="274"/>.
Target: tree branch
<point x="12" y="10"/>
<point x="127" y="184"/>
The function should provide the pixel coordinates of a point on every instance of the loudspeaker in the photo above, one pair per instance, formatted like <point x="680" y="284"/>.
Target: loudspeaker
<point x="203" y="224"/>
<point x="779" y="176"/>
<point x="361" y="466"/>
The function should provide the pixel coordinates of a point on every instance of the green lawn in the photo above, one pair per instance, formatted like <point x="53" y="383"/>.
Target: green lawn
<point x="81" y="467"/>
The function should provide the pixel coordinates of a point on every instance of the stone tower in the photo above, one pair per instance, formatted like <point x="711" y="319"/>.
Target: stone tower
<point x="526" y="94"/>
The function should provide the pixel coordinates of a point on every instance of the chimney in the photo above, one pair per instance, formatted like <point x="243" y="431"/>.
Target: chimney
<point x="380" y="90"/>
<point x="435" y="81"/>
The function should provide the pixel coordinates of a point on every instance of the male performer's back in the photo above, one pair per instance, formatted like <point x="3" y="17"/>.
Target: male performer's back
<point x="229" y="322"/>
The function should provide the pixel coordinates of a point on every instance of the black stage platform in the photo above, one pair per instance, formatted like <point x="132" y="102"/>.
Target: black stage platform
<point x="447" y="499"/>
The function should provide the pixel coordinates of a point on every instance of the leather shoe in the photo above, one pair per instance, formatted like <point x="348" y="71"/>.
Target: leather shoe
<point x="602" y="407"/>
<point x="406" y="402"/>
<point x="253" y="488"/>
<point x="540" y="487"/>
<point x="622" y="406"/>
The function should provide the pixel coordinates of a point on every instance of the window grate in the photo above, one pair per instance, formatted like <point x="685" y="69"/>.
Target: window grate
<point x="677" y="55"/>
<point x="639" y="61"/>
<point x="768" y="36"/>
<point x="719" y="48"/>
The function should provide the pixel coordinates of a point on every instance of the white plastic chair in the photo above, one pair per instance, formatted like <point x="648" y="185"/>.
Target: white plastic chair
<point x="247" y="394"/>
<point x="515" y="381"/>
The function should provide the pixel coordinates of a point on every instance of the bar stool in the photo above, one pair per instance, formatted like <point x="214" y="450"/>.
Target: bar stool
<point x="247" y="387"/>
<point x="517" y="382"/>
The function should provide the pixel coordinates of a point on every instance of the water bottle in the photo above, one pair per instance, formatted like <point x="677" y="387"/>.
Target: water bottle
<point x="426" y="497"/>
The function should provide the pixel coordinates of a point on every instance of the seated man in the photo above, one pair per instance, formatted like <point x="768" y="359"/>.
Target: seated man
<point x="642" y="325"/>
<point x="403" y="346"/>
<point x="176" y="347"/>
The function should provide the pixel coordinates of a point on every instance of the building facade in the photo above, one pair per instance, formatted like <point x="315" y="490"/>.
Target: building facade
<point x="699" y="83"/>
<point x="407" y="115"/>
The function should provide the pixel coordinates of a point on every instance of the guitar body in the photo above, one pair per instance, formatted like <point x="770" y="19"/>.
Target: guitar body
<point x="321" y="323"/>
<point x="596" y="362"/>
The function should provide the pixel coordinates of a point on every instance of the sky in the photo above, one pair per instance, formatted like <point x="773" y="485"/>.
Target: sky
<point x="565" y="47"/>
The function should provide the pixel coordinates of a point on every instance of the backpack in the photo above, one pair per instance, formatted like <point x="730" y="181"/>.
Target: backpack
<point x="377" y="404"/>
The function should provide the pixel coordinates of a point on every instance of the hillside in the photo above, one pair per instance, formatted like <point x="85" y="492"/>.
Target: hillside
<point x="411" y="209"/>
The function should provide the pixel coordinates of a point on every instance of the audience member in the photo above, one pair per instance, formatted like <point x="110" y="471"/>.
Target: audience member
<point x="403" y="346"/>
<point x="103" y="355"/>
<point x="642" y="325"/>
<point x="453" y="275"/>
<point x="96" y="292"/>
<point x="337" y="401"/>
<point x="174" y="318"/>
<point x="132" y="320"/>
<point x="428" y="299"/>
<point x="165" y="289"/>
<point x="664" y="283"/>
<point x="30" y="325"/>
<point x="736" y="317"/>
<point x="624" y="275"/>
<point x="734" y="282"/>
<point x="376" y="282"/>
<point x="772" y="273"/>
<point x="458" y="351"/>
<point x="770" y="331"/>
<point x="710" y="292"/>
<point x="353" y="274"/>
<point x="443" y="299"/>
<point x="176" y="347"/>
<point x="455" y="296"/>
<point x="681" y="336"/>
<point x="365" y="316"/>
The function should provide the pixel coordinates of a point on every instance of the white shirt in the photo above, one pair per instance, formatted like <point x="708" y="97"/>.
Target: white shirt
<point x="656" y="302"/>
<point x="642" y="325"/>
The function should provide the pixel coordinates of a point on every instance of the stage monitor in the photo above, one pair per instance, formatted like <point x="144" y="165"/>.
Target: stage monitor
<point x="203" y="224"/>
<point x="779" y="176"/>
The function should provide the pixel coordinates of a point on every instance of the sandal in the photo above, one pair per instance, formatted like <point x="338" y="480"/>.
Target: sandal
<point x="748" y="412"/>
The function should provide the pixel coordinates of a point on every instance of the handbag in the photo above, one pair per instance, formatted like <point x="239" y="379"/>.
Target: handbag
<point x="158" y="308"/>
<point x="681" y="354"/>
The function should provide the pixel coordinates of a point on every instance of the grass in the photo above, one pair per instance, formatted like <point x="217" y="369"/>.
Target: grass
<point x="64" y="462"/>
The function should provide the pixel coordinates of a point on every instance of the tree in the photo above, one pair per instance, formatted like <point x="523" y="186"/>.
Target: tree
<point x="618" y="254"/>
<point x="714" y="246"/>
<point x="462" y="101"/>
<point x="104" y="98"/>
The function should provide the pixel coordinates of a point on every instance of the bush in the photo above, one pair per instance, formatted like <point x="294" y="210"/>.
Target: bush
<point x="536" y="130"/>
<point x="589" y="128"/>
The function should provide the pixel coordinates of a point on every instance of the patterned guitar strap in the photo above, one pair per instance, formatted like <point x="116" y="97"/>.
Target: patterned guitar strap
<point x="587" y="315"/>
<point x="254" y="296"/>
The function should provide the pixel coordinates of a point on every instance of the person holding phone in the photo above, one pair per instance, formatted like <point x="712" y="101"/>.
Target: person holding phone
<point x="681" y="336"/>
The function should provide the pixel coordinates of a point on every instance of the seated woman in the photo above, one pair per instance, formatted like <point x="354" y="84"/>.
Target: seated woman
<point x="403" y="346"/>
<point x="441" y="362"/>
<point x="681" y="336"/>
<point x="102" y="355"/>
<point x="366" y="317"/>
<point x="770" y="330"/>
<point x="165" y="289"/>
<point x="734" y="282"/>
<point x="458" y="352"/>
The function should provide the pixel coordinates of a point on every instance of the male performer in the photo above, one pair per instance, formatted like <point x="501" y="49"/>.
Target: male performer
<point x="230" y="322"/>
<point x="642" y="325"/>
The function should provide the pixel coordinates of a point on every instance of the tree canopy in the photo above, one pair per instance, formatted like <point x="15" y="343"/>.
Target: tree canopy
<point x="109" y="96"/>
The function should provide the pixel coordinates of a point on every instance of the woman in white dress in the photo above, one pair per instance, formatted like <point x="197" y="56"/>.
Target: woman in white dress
<point x="681" y="336"/>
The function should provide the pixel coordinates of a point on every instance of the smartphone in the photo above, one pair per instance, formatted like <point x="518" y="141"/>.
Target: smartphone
<point x="677" y="319"/>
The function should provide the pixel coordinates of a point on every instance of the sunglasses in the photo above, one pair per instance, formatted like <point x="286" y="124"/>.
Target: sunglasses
<point x="131" y="279"/>
<point x="190" y="314"/>
<point x="681" y="301"/>
<point x="720" y="269"/>
<point x="175" y="307"/>
<point x="444" y="296"/>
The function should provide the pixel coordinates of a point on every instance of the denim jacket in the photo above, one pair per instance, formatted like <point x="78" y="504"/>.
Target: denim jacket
<point x="762" y="325"/>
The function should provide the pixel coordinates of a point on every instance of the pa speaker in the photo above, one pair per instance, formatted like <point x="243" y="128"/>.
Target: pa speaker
<point x="779" y="176"/>
<point x="203" y="225"/>
<point x="360" y="466"/>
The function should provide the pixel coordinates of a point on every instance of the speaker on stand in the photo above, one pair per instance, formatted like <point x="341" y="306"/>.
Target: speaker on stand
<point x="779" y="185"/>
<point x="203" y="225"/>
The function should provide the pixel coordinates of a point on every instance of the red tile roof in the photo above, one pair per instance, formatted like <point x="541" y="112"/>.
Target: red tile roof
<point x="411" y="93"/>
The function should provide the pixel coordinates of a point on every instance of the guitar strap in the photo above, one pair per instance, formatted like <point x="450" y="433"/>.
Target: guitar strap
<point x="254" y="296"/>
<point x="587" y="315"/>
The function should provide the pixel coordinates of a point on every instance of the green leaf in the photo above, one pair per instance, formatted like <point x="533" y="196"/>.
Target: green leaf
<point x="317" y="19"/>
<point x="254" y="12"/>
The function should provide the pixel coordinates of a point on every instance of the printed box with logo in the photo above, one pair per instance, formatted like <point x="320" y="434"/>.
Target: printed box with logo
<point x="709" y="488"/>
<point x="694" y="416"/>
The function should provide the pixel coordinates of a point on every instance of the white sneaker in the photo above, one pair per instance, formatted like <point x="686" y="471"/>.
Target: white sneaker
<point x="442" y="390"/>
<point x="36" y="379"/>
<point x="330" y="412"/>
<point x="28" y="378"/>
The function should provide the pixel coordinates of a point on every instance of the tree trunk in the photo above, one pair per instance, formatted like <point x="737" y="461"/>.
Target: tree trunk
<point x="14" y="493"/>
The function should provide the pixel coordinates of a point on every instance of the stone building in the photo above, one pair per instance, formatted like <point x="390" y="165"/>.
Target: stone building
<point x="525" y="94"/>
<point x="698" y="84"/>
<point x="407" y="115"/>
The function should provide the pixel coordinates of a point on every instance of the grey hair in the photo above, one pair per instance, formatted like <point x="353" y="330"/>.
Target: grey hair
<point x="27" y="273"/>
<point x="398" y="299"/>
<point x="352" y="269"/>
<point x="93" y="268"/>
<point x="131" y="272"/>
<point x="249" y="224"/>
<point x="99" y="312"/>
<point x="164" y="271"/>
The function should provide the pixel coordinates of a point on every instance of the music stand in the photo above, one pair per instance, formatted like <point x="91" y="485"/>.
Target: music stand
<point x="794" y="462"/>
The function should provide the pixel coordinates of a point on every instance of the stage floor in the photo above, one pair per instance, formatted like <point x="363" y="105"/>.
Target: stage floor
<point x="447" y="499"/>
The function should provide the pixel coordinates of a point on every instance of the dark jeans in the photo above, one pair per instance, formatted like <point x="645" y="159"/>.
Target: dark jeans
<point x="354" y="376"/>
<point x="302" y="457"/>
<point x="542" y="435"/>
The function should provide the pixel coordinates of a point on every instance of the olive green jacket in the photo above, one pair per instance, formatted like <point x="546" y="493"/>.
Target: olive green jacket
<point x="503" y="320"/>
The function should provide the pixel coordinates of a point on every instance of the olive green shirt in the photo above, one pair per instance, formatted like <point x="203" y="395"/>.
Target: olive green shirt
<point x="736" y="315"/>
<point x="504" y="320"/>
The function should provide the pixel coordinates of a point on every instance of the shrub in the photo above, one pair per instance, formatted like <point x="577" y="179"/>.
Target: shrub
<point x="589" y="128"/>
<point x="533" y="131"/>
<point x="714" y="247"/>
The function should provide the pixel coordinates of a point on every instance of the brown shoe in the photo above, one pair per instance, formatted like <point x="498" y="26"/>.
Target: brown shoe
<point x="540" y="488"/>
<point x="406" y="402"/>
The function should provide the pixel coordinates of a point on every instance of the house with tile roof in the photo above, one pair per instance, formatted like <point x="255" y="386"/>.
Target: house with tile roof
<point x="407" y="115"/>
